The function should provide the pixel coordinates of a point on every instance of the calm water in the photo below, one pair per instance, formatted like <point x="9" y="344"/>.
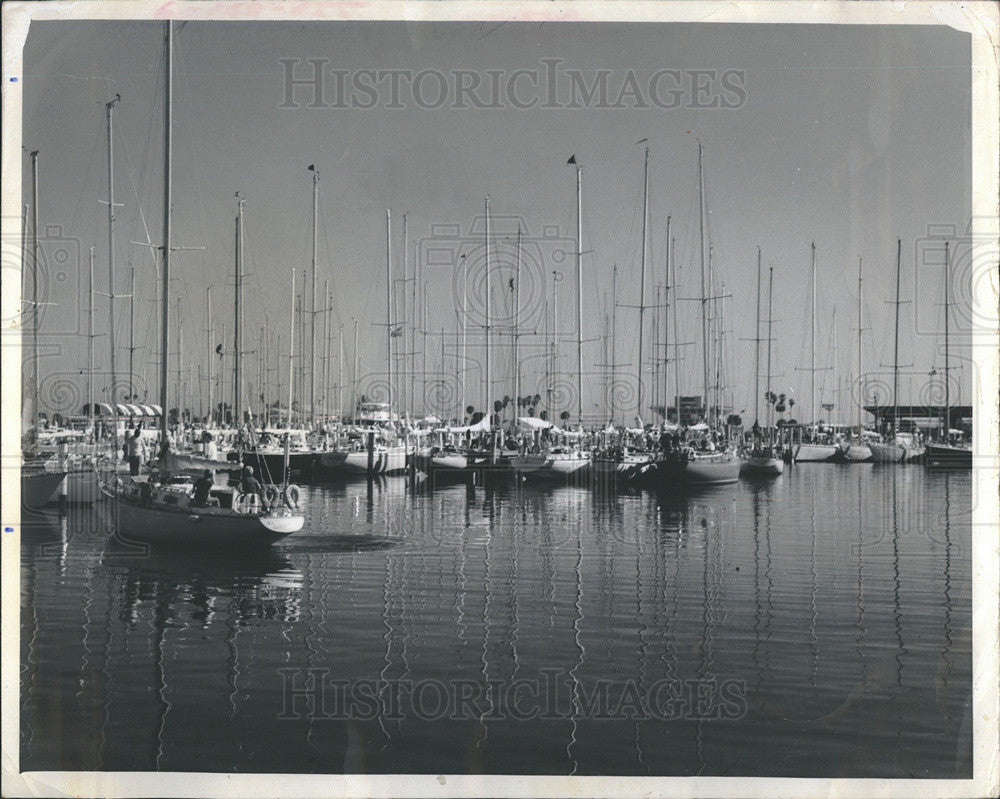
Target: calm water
<point x="817" y="625"/>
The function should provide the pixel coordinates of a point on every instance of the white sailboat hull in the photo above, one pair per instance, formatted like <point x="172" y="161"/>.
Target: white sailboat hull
<point x="385" y="460"/>
<point x="762" y="467"/>
<point x="550" y="467"/>
<point x="452" y="462"/>
<point x="815" y="453"/>
<point x="857" y="453"/>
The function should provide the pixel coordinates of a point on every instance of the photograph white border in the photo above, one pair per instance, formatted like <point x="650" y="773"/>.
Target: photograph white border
<point x="978" y="18"/>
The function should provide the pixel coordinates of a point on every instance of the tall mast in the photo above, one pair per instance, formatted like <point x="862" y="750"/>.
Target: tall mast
<point x="262" y="375"/>
<point x="812" y="359"/>
<point x="458" y="367"/>
<point x="614" y="331"/>
<point x="291" y="348"/>
<point x="770" y="293"/>
<point x="423" y="348"/>
<point x="340" y="377"/>
<point x="33" y="389"/>
<point x="579" y="297"/>
<point x="167" y="200"/>
<point x="666" y="320"/>
<point x="655" y="361"/>
<point x="861" y="399"/>
<point x="605" y="362"/>
<point x="111" y="253"/>
<point x="388" y="302"/>
<point x="238" y="319"/>
<point x="555" y="343"/>
<point x="836" y="353"/>
<point x="517" y="312"/>
<point x="756" y="352"/>
<point x="312" y="281"/>
<point x="895" y="353"/>
<point x="642" y="280"/>
<point x="326" y="350"/>
<point x="712" y="311"/>
<point x="704" y="298"/>
<point x="409" y="358"/>
<point x="131" y="331"/>
<point x="677" y="360"/>
<point x="29" y="409"/>
<point x="211" y="338"/>
<point x="90" y="348"/>
<point x="180" y="345"/>
<point x="464" y="318"/>
<point x="486" y="398"/>
<point x="355" y="370"/>
<point x="947" y="374"/>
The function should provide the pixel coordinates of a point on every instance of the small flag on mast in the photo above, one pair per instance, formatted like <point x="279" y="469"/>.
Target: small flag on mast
<point x="572" y="159"/>
<point x="218" y="350"/>
<point x="311" y="167"/>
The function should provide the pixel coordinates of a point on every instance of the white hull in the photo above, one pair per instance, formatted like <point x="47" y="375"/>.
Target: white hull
<point x="857" y="453"/>
<point x="815" y="453"/>
<point x="196" y="526"/>
<point x="548" y="467"/>
<point x="385" y="460"/>
<point x="762" y="467"/>
<point x="453" y="462"/>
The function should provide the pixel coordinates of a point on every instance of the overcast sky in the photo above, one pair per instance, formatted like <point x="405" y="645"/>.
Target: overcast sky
<point x="851" y="137"/>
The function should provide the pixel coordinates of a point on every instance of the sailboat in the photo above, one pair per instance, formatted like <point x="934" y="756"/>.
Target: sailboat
<point x="815" y="450"/>
<point x="458" y="450"/>
<point x="560" y="456"/>
<point x="161" y="507"/>
<point x="697" y="461"/>
<point x="619" y="458"/>
<point x="762" y="459"/>
<point x="951" y="452"/>
<point x="897" y="447"/>
<point x="371" y="447"/>
<point x="39" y="481"/>
<point x="856" y="449"/>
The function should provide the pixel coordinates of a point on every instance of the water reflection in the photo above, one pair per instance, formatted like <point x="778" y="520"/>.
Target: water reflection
<point x="821" y="599"/>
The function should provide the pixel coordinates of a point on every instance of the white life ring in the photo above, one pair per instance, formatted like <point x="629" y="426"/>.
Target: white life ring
<point x="271" y="495"/>
<point x="291" y="496"/>
<point x="246" y="503"/>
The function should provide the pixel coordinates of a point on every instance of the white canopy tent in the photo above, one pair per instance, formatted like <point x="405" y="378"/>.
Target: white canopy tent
<point x="482" y="426"/>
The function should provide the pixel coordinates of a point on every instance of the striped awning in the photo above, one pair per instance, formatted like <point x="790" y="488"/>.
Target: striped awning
<point x="148" y="410"/>
<point x="134" y="410"/>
